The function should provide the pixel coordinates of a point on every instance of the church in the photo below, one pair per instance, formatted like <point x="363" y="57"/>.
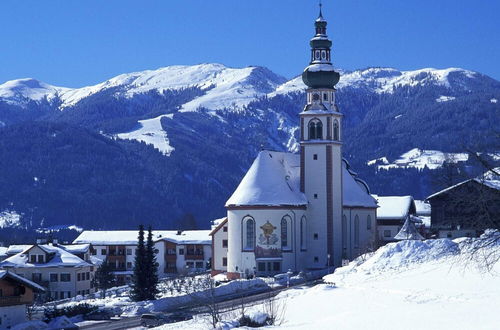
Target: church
<point x="305" y="211"/>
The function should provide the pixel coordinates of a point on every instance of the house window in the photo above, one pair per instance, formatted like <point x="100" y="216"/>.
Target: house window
<point x="315" y="129"/>
<point x="387" y="233"/>
<point x="37" y="277"/>
<point x="93" y="252"/>
<point x="87" y="276"/>
<point x="33" y="259"/>
<point x="129" y="264"/>
<point x="199" y="264"/>
<point x="303" y="233"/>
<point x="40" y="258"/>
<point x="53" y="277"/>
<point x="190" y="264"/>
<point x="181" y="252"/>
<point x="316" y="236"/>
<point x="103" y="252"/>
<point x="325" y="95"/>
<point x="315" y="196"/>
<point x="170" y="251"/>
<point x="78" y="277"/>
<point x="224" y="262"/>
<point x="65" y="277"/>
<point x="129" y="252"/>
<point x="336" y="130"/>
<point x="315" y="157"/>
<point x="368" y="222"/>
<point x="249" y="233"/>
<point x="356" y="231"/>
<point x="224" y="243"/>
<point x="224" y="229"/>
<point x="277" y="266"/>
<point x="316" y="259"/>
<point x="261" y="266"/>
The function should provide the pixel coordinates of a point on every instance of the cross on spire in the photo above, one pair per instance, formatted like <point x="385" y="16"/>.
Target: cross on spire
<point x="320" y="6"/>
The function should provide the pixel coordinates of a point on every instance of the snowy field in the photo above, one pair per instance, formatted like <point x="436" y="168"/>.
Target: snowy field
<point x="406" y="285"/>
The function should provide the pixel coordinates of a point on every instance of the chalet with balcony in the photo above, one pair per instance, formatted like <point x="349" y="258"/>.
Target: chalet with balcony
<point x="16" y="293"/>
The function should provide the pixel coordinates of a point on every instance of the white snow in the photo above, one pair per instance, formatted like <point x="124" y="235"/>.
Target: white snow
<point x="443" y="98"/>
<point x="61" y="258"/>
<point x="151" y="132"/>
<point x="20" y="90"/>
<point x="418" y="158"/>
<point x="493" y="100"/>
<point x="273" y="179"/>
<point x="319" y="67"/>
<point x="405" y="285"/>
<point x="10" y="219"/>
<point x="130" y="237"/>
<point x="394" y="207"/>
<point x="382" y="160"/>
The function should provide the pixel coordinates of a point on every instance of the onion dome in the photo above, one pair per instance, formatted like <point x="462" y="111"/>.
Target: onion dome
<point x="320" y="72"/>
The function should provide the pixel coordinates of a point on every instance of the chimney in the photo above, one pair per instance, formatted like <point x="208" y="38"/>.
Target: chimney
<point x="179" y="232"/>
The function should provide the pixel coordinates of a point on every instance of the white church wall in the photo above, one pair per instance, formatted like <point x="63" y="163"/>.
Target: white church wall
<point x="267" y="240"/>
<point x="367" y="236"/>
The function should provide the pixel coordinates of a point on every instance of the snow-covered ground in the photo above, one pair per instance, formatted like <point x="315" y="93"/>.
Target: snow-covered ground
<point x="418" y="158"/>
<point x="10" y="219"/>
<point x="151" y="132"/>
<point x="405" y="285"/>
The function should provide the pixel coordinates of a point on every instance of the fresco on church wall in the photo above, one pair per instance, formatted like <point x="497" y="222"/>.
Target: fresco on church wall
<point x="267" y="246"/>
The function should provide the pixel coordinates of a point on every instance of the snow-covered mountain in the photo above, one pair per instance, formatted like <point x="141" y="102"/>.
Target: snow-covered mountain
<point x="225" y="87"/>
<point x="111" y="139"/>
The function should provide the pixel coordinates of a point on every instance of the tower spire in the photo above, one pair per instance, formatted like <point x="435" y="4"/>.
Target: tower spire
<point x="320" y="7"/>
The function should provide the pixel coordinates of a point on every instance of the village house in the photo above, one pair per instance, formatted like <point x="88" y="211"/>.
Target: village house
<point x="467" y="208"/>
<point x="16" y="292"/>
<point x="62" y="273"/>
<point x="177" y="252"/>
<point x="392" y="214"/>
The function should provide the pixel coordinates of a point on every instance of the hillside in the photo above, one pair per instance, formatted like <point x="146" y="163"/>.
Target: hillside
<point x="158" y="145"/>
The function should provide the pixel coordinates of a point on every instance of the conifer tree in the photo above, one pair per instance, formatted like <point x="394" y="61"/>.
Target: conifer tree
<point x="152" y="267"/>
<point x="104" y="278"/>
<point x="139" y="281"/>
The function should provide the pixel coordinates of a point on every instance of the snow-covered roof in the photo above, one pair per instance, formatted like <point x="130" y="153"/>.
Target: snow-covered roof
<point x="76" y="248"/>
<point x="394" y="207"/>
<point x="355" y="192"/>
<point x="130" y="237"/>
<point x="217" y="224"/>
<point x="422" y="207"/>
<point x="20" y="279"/>
<point x="60" y="258"/>
<point x="272" y="180"/>
<point x="15" y="249"/>
<point x="493" y="184"/>
<point x="3" y="251"/>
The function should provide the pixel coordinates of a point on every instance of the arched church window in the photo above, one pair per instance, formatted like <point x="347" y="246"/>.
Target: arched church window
<point x="356" y="231"/>
<point x="336" y="130"/>
<point x="286" y="233"/>
<point x="368" y="222"/>
<point x="315" y="129"/>
<point x="248" y="233"/>
<point x="303" y="233"/>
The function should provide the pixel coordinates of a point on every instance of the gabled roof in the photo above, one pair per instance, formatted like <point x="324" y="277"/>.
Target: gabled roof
<point x="272" y="180"/>
<point x="5" y="274"/>
<point x="61" y="258"/>
<point x="493" y="184"/>
<point x="218" y="224"/>
<point x="395" y="207"/>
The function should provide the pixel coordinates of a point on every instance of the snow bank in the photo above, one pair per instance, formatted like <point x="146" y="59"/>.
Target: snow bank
<point x="394" y="256"/>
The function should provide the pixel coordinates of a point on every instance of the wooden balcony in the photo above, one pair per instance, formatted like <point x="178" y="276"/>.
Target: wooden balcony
<point x="11" y="300"/>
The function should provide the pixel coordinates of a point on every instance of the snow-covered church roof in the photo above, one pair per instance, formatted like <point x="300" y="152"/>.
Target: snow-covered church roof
<point x="274" y="180"/>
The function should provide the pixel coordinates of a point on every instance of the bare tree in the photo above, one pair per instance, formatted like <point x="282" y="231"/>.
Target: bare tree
<point x="275" y="309"/>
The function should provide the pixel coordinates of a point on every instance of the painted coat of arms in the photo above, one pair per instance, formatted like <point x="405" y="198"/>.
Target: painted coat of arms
<point x="268" y="237"/>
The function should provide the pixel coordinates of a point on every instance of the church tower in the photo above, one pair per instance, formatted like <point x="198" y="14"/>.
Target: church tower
<point x="321" y="154"/>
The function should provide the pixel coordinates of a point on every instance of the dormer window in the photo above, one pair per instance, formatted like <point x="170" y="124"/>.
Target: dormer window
<point x="33" y="259"/>
<point x="40" y="258"/>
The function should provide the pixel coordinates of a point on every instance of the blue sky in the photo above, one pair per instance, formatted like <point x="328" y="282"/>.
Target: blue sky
<point x="77" y="43"/>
